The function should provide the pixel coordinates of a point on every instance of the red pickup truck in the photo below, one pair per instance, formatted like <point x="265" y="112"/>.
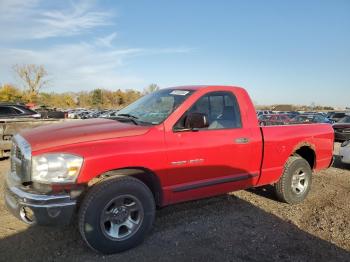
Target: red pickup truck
<point x="173" y="145"/>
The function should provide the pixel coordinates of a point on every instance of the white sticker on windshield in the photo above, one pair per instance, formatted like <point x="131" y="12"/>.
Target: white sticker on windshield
<point x="179" y="92"/>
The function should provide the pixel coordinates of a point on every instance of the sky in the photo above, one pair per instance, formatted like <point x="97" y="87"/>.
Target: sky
<point x="281" y="51"/>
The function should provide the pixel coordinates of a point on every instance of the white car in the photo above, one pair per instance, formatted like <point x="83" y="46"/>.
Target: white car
<point x="345" y="152"/>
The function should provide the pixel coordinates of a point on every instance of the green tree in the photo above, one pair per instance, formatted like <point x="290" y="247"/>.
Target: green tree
<point x="120" y="97"/>
<point x="131" y="95"/>
<point x="84" y="99"/>
<point x="10" y="93"/>
<point x="96" y="98"/>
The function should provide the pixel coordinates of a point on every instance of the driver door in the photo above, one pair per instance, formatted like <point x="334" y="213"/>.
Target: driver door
<point x="212" y="160"/>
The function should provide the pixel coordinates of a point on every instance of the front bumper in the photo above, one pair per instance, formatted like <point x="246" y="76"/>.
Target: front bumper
<point x="39" y="209"/>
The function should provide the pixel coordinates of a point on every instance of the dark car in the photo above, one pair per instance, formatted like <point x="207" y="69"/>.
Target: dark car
<point x="320" y="118"/>
<point x="336" y="116"/>
<point x="311" y="118"/>
<point x="17" y="111"/>
<point x="292" y="114"/>
<point x="342" y="129"/>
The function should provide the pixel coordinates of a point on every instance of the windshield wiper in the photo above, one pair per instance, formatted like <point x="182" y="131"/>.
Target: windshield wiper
<point x="133" y="119"/>
<point x="128" y="117"/>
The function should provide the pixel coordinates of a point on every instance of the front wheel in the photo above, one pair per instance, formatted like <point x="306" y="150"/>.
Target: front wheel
<point x="116" y="215"/>
<point x="295" y="182"/>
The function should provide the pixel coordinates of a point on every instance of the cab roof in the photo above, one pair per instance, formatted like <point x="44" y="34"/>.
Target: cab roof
<point x="198" y="87"/>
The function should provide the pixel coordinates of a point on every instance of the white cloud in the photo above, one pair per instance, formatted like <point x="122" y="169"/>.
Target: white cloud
<point x="70" y="22"/>
<point x="11" y="8"/>
<point x="73" y="65"/>
<point x="81" y="66"/>
<point x="107" y="40"/>
<point x="29" y="20"/>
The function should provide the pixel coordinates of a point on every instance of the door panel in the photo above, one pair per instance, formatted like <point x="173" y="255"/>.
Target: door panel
<point x="212" y="161"/>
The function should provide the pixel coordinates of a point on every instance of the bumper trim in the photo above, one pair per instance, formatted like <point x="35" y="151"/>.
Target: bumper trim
<point x="47" y="209"/>
<point x="35" y="199"/>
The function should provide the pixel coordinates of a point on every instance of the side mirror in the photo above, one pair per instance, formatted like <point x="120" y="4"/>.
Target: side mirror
<point x="196" y="121"/>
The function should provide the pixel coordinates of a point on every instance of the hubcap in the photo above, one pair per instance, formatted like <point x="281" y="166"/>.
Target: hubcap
<point x="299" y="182"/>
<point x="121" y="217"/>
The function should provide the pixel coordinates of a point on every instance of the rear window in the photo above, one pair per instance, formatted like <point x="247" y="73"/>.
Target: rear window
<point x="337" y="115"/>
<point x="345" y="120"/>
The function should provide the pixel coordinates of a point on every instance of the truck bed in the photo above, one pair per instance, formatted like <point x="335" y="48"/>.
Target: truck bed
<point x="281" y="141"/>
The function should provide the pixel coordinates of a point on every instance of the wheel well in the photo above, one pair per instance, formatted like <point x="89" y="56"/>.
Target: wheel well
<point x="308" y="154"/>
<point x="146" y="176"/>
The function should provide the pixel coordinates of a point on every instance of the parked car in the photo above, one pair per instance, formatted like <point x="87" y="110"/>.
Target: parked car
<point x="344" y="152"/>
<point x="74" y="113"/>
<point x="10" y="126"/>
<point x="320" y="118"/>
<point x="342" y="129"/>
<point x="292" y="114"/>
<point x="276" y="119"/>
<point x="91" y="113"/>
<point x="8" y="110"/>
<point x="264" y="112"/>
<point x="336" y="116"/>
<point x="55" y="113"/>
<point x="109" y="114"/>
<point x="171" y="146"/>
<point x="310" y="118"/>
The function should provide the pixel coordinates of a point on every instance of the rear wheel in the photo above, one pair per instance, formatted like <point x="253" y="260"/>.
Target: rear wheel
<point x="116" y="215"/>
<point x="295" y="182"/>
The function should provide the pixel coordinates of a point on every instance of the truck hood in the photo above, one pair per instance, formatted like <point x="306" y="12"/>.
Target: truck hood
<point x="79" y="131"/>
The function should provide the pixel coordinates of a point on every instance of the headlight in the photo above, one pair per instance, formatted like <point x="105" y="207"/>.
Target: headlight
<point x="56" y="168"/>
<point x="344" y="144"/>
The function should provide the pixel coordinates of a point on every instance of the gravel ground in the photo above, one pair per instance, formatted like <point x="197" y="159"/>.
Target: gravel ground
<point x="247" y="225"/>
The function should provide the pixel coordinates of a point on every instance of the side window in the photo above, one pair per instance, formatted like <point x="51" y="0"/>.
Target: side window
<point x="318" y="118"/>
<point x="221" y="109"/>
<point x="201" y="106"/>
<point x="5" y="110"/>
<point x="17" y="111"/>
<point x="216" y="106"/>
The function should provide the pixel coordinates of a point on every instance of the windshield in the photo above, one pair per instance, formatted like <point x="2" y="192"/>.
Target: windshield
<point x="345" y="120"/>
<point x="154" y="108"/>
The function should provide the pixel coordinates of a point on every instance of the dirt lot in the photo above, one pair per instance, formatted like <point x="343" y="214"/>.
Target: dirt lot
<point x="243" y="226"/>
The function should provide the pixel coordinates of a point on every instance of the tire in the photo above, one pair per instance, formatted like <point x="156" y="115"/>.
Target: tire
<point x="116" y="215"/>
<point x="295" y="182"/>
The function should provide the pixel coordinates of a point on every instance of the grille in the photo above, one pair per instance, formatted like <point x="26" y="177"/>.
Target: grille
<point x="18" y="153"/>
<point x="20" y="158"/>
<point x="13" y="154"/>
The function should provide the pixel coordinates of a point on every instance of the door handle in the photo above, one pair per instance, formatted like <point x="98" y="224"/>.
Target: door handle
<point x="242" y="140"/>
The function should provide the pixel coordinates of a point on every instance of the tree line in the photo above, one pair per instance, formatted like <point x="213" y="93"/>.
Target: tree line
<point x="34" y="79"/>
